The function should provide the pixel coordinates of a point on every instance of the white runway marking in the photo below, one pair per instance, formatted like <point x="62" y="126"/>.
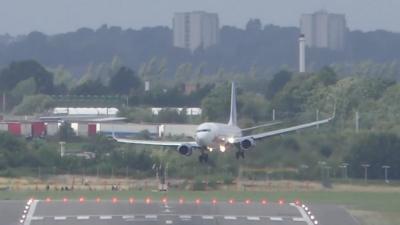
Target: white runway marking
<point x="253" y="218"/>
<point x="151" y="217"/>
<point x="299" y="219"/>
<point x="303" y="214"/>
<point x="207" y="217"/>
<point x="105" y="217"/>
<point x="60" y="218"/>
<point x="230" y="217"/>
<point x="31" y="211"/>
<point x="83" y="217"/>
<point x="128" y="217"/>
<point x="185" y="217"/>
<point x="276" y="218"/>
<point x="37" y="218"/>
<point x="168" y="222"/>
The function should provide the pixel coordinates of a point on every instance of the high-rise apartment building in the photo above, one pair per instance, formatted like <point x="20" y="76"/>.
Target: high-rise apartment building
<point x="195" y="29"/>
<point x="324" y="30"/>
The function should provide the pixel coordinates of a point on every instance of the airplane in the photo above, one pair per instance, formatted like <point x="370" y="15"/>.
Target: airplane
<point x="218" y="136"/>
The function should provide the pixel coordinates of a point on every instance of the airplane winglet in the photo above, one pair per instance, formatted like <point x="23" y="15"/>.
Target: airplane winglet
<point x="334" y="109"/>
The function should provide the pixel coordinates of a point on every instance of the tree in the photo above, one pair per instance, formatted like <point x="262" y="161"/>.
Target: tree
<point x="216" y="105"/>
<point x="376" y="149"/>
<point x="34" y="104"/>
<point x="90" y="87"/>
<point x="278" y="81"/>
<point x="124" y="81"/>
<point x="23" y="70"/>
<point x="66" y="133"/>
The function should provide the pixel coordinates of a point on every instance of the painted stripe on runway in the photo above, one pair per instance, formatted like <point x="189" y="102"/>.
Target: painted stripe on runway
<point x="105" y="217"/>
<point x="31" y="212"/>
<point x="253" y="218"/>
<point x="207" y="217"/>
<point x="303" y="214"/>
<point x="37" y="218"/>
<point x="128" y="217"/>
<point x="151" y="217"/>
<point x="169" y="222"/>
<point x="185" y="217"/>
<point x="230" y="217"/>
<point x="60" y="218"/>
<point x="299" y="219"/>
<point x="83" y="217"/>
<point x="276" y="218"/>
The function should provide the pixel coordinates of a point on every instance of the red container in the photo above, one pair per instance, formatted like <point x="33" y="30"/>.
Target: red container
<point x="92" y="129"/>
<point x="38" y="129"/>
<point x="14" y="128"/>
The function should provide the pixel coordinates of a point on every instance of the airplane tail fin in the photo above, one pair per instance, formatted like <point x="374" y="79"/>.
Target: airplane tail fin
<point x="233" y="115"/>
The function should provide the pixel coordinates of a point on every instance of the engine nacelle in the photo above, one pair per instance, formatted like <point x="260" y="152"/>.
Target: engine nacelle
<point x="247" y="144"/>
<point x="185" y="150"/>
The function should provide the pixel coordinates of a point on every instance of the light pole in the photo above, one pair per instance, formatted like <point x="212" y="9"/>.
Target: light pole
<point x="365" y="166"/>
<point x="322" y="164"/>
<point x="386" y="167"/>
<point x="303" y="168"/>
<point x="345" y="171"/>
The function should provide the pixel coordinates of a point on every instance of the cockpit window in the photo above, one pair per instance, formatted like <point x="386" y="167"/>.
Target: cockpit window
<point x="203" y="130"/>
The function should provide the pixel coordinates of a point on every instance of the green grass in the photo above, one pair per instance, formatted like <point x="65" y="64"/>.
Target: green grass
<point x="370" y="201"/>
<point x="369" y="207"/>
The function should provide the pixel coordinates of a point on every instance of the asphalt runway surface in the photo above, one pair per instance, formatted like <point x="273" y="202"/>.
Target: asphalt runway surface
<point x="155" y="213"/>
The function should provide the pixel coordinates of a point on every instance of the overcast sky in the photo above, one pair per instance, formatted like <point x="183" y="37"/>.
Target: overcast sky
<point x="57" y="16"/>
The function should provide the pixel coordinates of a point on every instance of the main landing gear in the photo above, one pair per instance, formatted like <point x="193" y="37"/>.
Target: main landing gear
<point x="203" y="158"/>
<point x="239" y="154"/>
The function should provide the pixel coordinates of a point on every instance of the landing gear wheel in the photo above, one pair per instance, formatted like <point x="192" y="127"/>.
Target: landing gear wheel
<point x="239" y="154"/>
<point x="203" y="158"/>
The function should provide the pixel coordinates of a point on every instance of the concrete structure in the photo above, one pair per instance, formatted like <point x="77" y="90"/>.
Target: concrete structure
<point x="189" y="111"/>
<point x="195" y="29"/>
<point x="324" y="30"/>
<point x="302" y="54"/>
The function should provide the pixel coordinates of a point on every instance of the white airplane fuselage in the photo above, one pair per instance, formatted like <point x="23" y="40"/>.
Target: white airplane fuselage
<point x="216" y="136"/>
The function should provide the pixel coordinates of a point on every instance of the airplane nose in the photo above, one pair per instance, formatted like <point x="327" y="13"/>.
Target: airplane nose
<point x="200" y="138"/>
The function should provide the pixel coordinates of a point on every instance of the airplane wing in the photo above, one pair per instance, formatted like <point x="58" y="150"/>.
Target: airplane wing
<point x="155" y="143"/>
<point x="286" y="130"/>
<point x="263" y="125"/>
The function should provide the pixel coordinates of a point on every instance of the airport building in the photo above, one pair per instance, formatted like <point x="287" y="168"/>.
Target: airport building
<point x="195" y="29"/>
<point x="324" y="30"/>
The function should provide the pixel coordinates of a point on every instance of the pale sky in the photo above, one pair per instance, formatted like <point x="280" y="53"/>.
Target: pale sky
<point x="58" y="16"/>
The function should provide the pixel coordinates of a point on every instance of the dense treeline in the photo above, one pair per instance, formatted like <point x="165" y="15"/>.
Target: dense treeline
<point x="266" y="48"/>
<point x="295" y="98"/>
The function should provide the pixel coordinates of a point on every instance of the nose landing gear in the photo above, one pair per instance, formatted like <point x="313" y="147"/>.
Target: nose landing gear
<point x="239" y="154"/>
<point x="203" y="158"/>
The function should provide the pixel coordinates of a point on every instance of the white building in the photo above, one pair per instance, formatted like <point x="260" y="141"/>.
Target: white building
<point x="195" y="29"/>
<point x="324" y="30"/>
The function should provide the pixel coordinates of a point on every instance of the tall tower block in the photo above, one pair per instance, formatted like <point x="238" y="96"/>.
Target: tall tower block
<point x="302" y="53"/>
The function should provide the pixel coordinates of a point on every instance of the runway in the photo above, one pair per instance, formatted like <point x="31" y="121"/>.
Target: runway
<point x="162" y="212"/>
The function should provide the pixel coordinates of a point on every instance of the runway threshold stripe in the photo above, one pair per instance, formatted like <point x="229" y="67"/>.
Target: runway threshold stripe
<point x="230" y="217"/>
<point x="298" y="219"/>
<point x="128" y="217"/>
<point x="276" y="218"/>
<point x="207" y="217"/>
<point x="105" y="217"/>
<point x="152" y="217"/>
<point x="185" y="217"/>
<point x="60" y="218"/>
<point x="83" y="217"/>
<point x="37" y="218"/>
<point x="253" y="218"/>
<point x="168" y="222"/>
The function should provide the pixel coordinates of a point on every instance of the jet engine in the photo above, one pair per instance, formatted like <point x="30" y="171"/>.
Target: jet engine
<point x="185" y="149"/>
<point x="247" y="144"/>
